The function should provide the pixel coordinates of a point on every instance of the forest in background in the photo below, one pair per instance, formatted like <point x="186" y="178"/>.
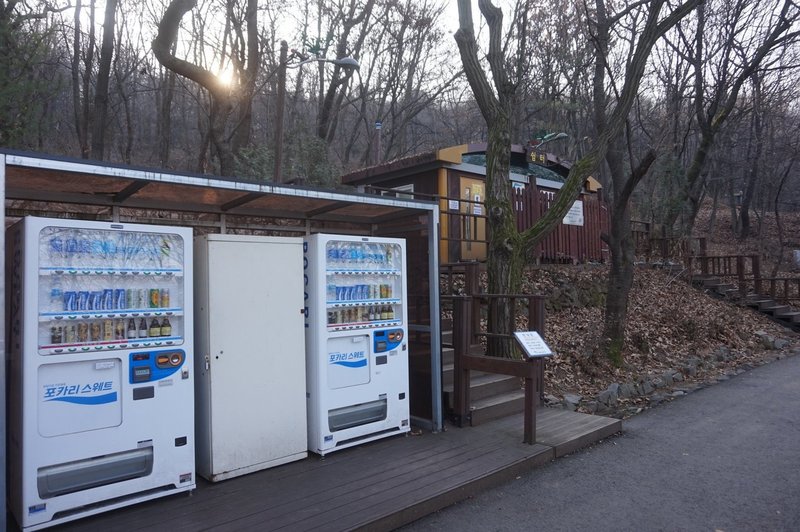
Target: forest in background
<point x="79" y="78"/>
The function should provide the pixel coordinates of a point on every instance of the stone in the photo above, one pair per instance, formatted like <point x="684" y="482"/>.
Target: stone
<point x="722" y="354"/>
<point x="607" y="398"/>
<point x="658" y="382"/>
<point x="780" y="343"/>
<point x="647" y="388"/>
<point x="627" y="390"/>
<point x="656" y="399"/>
<point x="571" y="401"/>
<point x="667" y="377"/>
<point x="551" y="399"/>
<point x="691" y="371"/>
<point x="677" y="377"/>
<point x="591" y="407"/>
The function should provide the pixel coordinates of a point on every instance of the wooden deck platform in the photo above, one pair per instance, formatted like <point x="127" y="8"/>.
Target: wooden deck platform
<point x="380" y="486"/>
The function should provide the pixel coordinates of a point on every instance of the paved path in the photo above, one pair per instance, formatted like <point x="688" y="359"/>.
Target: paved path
<point x="726" y="458"/>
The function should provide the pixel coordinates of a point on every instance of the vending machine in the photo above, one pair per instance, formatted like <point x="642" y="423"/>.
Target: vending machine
<point x="356" y="340"/>
<point x="101" y="390"/>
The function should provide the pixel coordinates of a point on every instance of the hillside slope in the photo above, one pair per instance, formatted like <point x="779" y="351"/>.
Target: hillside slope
<point x="678" y="338"/>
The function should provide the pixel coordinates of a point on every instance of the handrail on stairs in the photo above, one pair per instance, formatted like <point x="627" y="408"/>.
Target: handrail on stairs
<point x="532" y="371"/>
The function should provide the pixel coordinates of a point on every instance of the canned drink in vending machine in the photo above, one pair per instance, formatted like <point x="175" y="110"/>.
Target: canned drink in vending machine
<point x="155" y="298"/>
<point x="144" y="298"/>
<point x="96" y="300"/>
<point x="108" y="330"/>
<point x="96" y="331"/>
<point x="165" y="297"/>
<point x="108" y="299"/>
<point x="120" y="301"/>
<point x="70" y="301"/>
<point x="83" y="300"/>
<point x="132" y="296"/>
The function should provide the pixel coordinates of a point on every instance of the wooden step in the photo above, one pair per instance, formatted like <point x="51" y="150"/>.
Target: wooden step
<point x="793" y="317"/>
<point x="731" y="293"/>
<point x="723" y="288"/>
<point x="712" y="282"/>
<point x="764" y="305"/>
<point x="498" y="406"/>
<point x="757" y="302"/>
<point x="447" y="355"/>
<point x="447" y="337"/>
<point x="776" y="309"/>
<point x="484" y="385"/>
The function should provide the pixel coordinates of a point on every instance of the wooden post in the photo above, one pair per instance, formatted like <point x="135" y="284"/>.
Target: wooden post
<point x="472" y="288"/>
<point x="462" y="339"/>
<point x="756" y="272"/>
<point x="531" y="402"/>
<point x="740" y="276"/>
<point x="536" y="323"/>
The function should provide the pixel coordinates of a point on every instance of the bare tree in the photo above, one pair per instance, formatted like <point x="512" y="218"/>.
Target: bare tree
<point x="741" y="38"/>
<point x="507" y="247"/>
<point x="244" y="56"/>
<point x="101" y="87"/>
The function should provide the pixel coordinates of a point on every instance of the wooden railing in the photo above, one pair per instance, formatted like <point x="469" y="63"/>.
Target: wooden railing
<point x="783" y="289"/>
<point x="745" y="270"/>
<point x="532" y="371"/>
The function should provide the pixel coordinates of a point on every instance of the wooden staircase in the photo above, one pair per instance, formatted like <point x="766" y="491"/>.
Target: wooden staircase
<point x="783" y="313"/>
<point x="493" y="396"/>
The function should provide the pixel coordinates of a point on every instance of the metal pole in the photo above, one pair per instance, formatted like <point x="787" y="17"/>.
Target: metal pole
<point x="279" y="111"/>
<point x="3" y="357"/>
<point x="436" y="339"/>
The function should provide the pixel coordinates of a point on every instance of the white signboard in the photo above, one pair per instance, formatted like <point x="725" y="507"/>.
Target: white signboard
<point x="575" y="214"/>
<point x="453" y="204"/>
<point x="533" y="344"/>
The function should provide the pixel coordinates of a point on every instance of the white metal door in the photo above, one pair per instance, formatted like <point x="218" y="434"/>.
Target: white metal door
<point x="257" y="364"/>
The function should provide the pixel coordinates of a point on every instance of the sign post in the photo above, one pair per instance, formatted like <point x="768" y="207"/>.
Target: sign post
<point x="535" y="350"/>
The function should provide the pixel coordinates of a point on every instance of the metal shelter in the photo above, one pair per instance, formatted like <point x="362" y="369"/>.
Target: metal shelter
<point x="35" y="184"/>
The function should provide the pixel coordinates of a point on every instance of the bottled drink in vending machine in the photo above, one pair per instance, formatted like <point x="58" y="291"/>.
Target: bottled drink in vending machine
<point x="132" y="328"/>
<point x="155" y="328"/>
<point x="166" y="327"/>
<point x="142" y="328"/>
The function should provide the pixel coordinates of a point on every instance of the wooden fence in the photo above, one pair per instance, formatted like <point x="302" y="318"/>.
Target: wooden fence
<point x="567" y="243"/>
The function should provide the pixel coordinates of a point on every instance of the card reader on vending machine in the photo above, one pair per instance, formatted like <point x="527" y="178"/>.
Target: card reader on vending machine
<point x="386" y="341"/>
<point x="153" y="366"/>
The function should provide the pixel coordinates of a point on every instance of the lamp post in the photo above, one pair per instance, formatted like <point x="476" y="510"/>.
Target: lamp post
<point x="347" y="63"/>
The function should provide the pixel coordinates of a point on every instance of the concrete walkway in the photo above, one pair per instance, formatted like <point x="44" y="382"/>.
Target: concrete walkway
<point x="724" y="458"/>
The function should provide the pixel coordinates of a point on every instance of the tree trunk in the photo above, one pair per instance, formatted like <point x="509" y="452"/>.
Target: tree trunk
<point x="620" y="280"/>
<point x="103" y="76"/>
<point x="753" y="173"/>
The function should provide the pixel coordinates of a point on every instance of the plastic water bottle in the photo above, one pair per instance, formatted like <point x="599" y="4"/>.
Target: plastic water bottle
<point x="56" y="294"/>
<point x="56" y="251"/>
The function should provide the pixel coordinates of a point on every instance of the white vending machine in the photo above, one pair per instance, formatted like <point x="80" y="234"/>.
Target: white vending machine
<point x="356" y="340"/>
<point x="250" y="364"/>
<point x="101" y="389"/>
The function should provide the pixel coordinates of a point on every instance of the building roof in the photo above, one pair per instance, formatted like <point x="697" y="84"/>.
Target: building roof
<point x="36" y="177"/>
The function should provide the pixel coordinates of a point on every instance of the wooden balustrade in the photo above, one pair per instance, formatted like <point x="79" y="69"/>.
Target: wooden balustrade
<point x="532" y="371"/>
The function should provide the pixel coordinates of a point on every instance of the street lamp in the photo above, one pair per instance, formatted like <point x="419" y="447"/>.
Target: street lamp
<point x="550" y="137"/>
<point x="347" y="63"/>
